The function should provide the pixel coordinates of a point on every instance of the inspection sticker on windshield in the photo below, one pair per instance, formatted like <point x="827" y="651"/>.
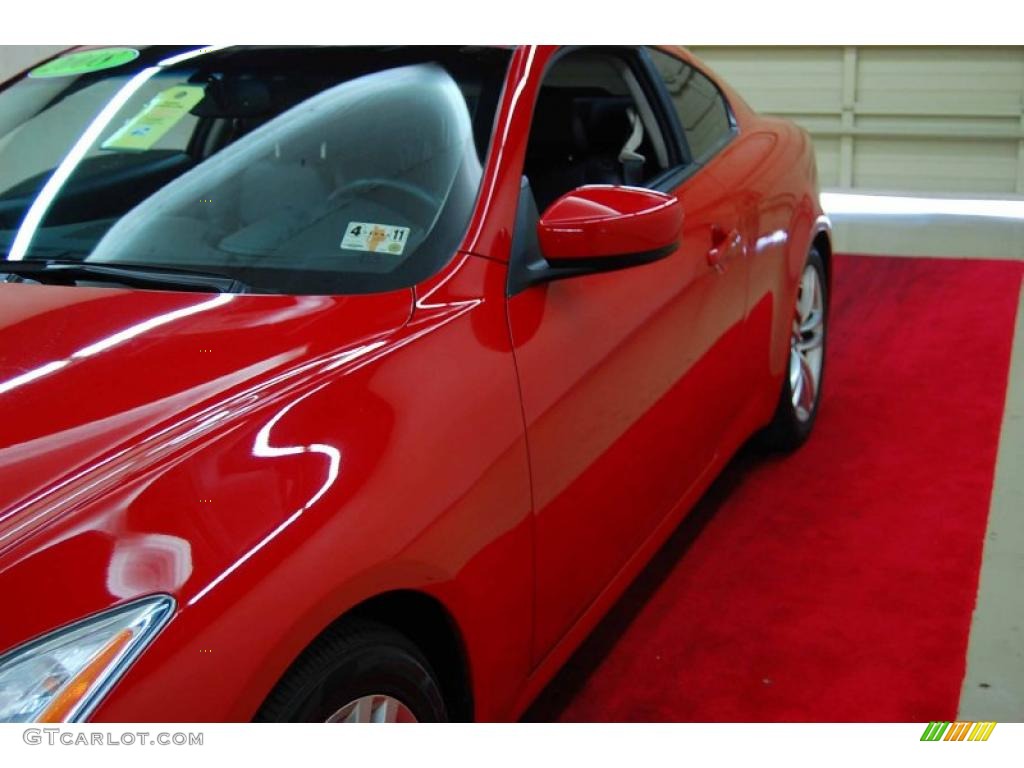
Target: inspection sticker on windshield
<point x="82" y="62"/>
<point x="376" y="238"/>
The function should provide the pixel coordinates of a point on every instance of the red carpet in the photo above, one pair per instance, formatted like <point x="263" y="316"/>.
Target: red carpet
<point x="836" y="584"/>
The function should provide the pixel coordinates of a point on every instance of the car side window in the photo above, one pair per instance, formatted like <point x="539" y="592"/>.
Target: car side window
<point x="592" y="124"/>
<point x="703" y="113"/>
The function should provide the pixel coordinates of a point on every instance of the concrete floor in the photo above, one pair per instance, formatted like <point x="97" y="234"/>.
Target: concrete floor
<point x="930" y="235"/>
<point x="993" y="688"/>
<point x="994" y="685"/>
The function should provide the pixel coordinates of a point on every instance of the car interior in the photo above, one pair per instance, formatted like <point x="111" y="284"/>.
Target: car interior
<point x="593" y="124"/>
<point x="403" y="155"/>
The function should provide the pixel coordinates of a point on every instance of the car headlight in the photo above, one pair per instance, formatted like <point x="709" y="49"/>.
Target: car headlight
<point x="61" y="676"/>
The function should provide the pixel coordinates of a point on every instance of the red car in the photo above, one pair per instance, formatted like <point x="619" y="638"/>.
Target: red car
<point x="357" y="384"/>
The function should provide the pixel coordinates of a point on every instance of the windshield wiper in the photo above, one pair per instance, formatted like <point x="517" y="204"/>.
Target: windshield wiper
<point x="59" y="272"/>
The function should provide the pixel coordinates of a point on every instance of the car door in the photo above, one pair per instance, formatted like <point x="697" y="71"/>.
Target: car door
<point x="705" y="125"/>
<point x="628" y="377"/>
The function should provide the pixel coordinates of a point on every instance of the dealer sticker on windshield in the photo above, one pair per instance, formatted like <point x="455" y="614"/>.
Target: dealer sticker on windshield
<point x="157" y="117"/>
<point x="375" y="238"/>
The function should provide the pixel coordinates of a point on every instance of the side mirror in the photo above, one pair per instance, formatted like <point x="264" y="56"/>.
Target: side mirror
<point x="598" y="228"/>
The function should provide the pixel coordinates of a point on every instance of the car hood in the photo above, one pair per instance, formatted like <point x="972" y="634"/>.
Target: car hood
<point x="87" y="375"/>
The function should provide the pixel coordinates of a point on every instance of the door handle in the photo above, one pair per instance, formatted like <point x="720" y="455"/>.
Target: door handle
<point x="722" y="244"/>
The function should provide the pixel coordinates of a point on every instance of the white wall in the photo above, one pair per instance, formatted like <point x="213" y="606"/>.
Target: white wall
<point x="14" y="58"/>
<point x="942" y="120"/>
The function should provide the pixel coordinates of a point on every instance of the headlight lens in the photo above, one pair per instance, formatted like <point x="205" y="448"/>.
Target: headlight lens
<point x="61" y="676"/>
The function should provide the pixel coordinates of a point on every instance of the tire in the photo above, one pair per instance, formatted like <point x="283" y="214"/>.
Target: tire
<point x="333" y="680"/>
<point x="792" y="423"/>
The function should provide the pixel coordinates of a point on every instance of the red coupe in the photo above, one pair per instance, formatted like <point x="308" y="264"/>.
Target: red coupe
<point x="356" y="384"/>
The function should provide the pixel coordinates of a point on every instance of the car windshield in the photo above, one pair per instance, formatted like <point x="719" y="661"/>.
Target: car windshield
<point x="288" y="170"/>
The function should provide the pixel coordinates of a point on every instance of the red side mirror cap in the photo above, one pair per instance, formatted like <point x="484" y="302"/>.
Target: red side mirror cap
<point x="598" y="222"/>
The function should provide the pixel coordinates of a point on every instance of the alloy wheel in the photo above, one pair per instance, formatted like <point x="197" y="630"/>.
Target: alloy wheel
<point x="375" y="708"/>
<point x="806" y="346"/>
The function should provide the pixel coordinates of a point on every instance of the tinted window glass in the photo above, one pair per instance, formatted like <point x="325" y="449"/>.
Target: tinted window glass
<point x="290" y="170"/>
<point x="701" y="109"/>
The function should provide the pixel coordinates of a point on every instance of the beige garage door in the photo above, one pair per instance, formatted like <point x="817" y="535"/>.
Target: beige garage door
<point x="947" y="121"/>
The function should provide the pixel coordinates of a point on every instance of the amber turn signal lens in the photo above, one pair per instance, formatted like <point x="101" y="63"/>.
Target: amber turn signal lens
<point x="78" y="686"/>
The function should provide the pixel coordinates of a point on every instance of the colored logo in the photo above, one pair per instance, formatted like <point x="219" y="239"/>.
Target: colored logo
<point x="945" y="731"/>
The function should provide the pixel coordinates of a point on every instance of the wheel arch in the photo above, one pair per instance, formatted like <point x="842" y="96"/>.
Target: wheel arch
<point x="822" y="242"/>
<point x="428" y="623"/>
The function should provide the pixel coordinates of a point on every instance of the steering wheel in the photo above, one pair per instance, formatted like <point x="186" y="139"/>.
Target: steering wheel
<point x="413" y="192"/>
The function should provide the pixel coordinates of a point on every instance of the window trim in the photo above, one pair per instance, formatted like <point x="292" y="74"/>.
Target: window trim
<point x="526" y="264"/>
<point x="667" y="106"/>
<point x="680" y="133"/>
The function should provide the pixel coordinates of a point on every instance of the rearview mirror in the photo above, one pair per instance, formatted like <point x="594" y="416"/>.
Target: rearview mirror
<point x="600" y="227"/>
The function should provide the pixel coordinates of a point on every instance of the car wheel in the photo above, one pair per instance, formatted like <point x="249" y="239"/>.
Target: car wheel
<point x="358" y="672"/>
<point x="801" y="387"/>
